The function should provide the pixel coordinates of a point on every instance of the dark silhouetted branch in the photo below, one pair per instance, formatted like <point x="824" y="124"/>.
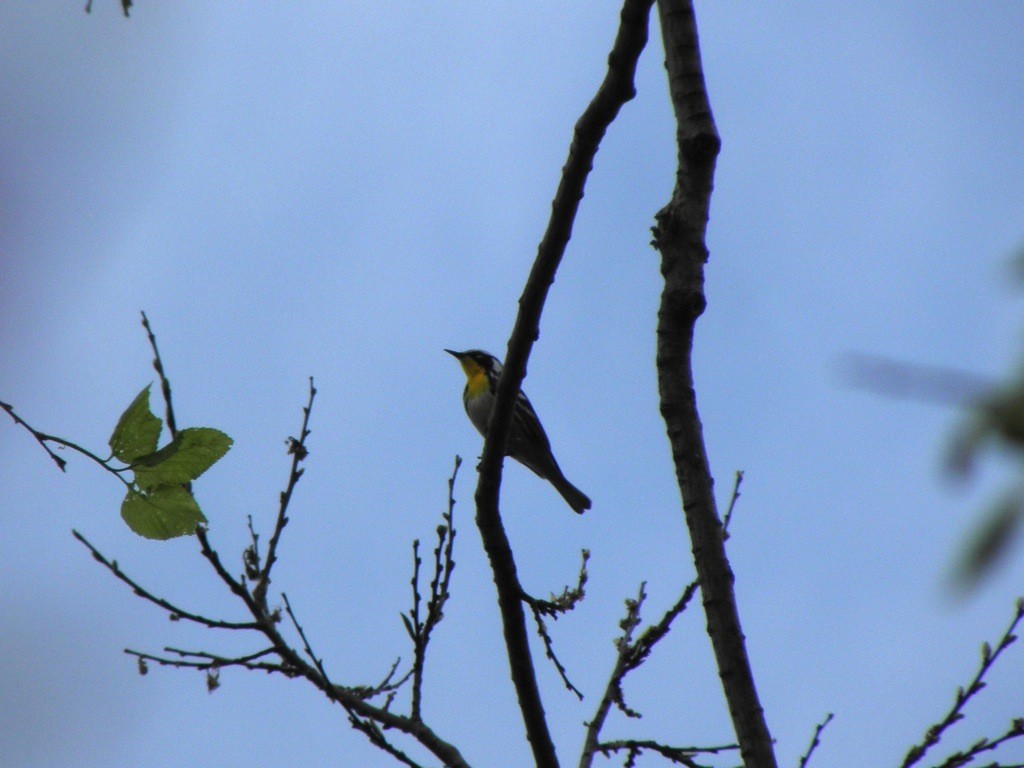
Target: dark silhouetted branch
<point x="419" y="629"/>
<point x="630" y="655"/>
<point x="158" y="366"/>
<point x="676" y="755"/>
<point x="173" y="611"/>
<point x="616" y="90"/>
<point x="555" y="607"/>
<point x="815" y="740"/>
<point x="298" y="451"/>
<point x="680" y="237"/>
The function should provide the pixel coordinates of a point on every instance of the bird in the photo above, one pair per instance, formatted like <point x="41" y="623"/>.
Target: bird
<point x="527" y="442"/>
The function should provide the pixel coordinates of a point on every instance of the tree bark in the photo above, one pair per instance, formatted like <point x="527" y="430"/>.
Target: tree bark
<point x="680" y="237"/>
<point x="616" y="89"/>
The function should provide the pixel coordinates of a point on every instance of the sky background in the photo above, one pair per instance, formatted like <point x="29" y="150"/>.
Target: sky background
<point x="343" y="190"/>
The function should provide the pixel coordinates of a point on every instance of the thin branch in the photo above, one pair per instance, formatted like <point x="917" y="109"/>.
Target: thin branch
<point x="377" y="738"/>
<point x="732" y="504"/>
<point x="964" y="695"/>
<point x="570" y="597"/>
<point x="158" y="366"/>
<point x="365" y="716"/>
<point x="317" y="661"/>
<point x="959" y="759"/>
<point x="650" y="637"/>
<point x="815" y="740"/>
<point x="293" y="665"/>
<point x="386" y="685"/>
<point x="675" y="755"/>
<point x="175" y="612"/>
<point x="616" y="90"/>
<point x="680" y="237"/>
<point x="43" y="438"/>
<point x="613" y="690"/>
<point x="299" y="452"/>
<point x="251" y="554"/>
<point x="38" y="436"/>
<point x="420" y="630"/>
<point x="555" y="607"/>
<point x="630" y="656"/>
<point x="202" y="660"/>
<point x="549" y="651"/>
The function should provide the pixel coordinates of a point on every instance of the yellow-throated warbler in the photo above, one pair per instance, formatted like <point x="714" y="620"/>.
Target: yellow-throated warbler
<point x="527" y="442"/>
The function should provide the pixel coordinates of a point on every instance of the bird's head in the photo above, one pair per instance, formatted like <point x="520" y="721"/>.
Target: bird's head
<point x="475" y="362"/>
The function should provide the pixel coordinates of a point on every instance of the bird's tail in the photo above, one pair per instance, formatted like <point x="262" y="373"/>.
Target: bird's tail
<point x="574" y="497"/>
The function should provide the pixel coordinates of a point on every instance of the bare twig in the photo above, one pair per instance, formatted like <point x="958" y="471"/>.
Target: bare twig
<point x="206" y="661"/>
<point x="963" y="695"/>
<point x="353" y="700"/>
<point x="297" y="449"/>
<point x="732" y="504"/>
<point x="419" y="630"/>
<point x="165" y="383"/>
<point x="959" y="759"/>
<point x="43" y="439"/>
<point x="251" y="554"/>
<point x="317" y="661"/>
<point x="815" y="740"/>
<point x="388" y="685"/>
<point x="616" y="90"/>
<point x="555" y="607"/>
<point x="376" y="737"/>
<point x="39" y="437"/>
<point x="570" y="597"/>
<point x="613" y="690"/>
<point x="549" y="651"/>
<point x="650" y="637"/>
<point x="174" y="611"/>
<point x="675" y="755"/>
<point x="631" y="654"/>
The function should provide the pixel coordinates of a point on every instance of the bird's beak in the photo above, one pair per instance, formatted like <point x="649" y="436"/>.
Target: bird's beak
<point x="456" y="355"/>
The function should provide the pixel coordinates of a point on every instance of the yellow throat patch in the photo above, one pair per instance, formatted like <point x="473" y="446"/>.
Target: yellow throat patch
<point x="476" y="383"/>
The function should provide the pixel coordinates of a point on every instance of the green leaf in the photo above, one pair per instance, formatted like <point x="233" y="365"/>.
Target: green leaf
<point x="137" y="430"/>
<point x="165" y="513"/>
<point x="184" y="459"/>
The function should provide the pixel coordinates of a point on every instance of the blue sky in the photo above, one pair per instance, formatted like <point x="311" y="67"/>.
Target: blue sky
<point x="343" y="192"/>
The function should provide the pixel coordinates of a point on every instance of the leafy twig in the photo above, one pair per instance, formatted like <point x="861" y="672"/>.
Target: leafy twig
<point x="364" y="716"/>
